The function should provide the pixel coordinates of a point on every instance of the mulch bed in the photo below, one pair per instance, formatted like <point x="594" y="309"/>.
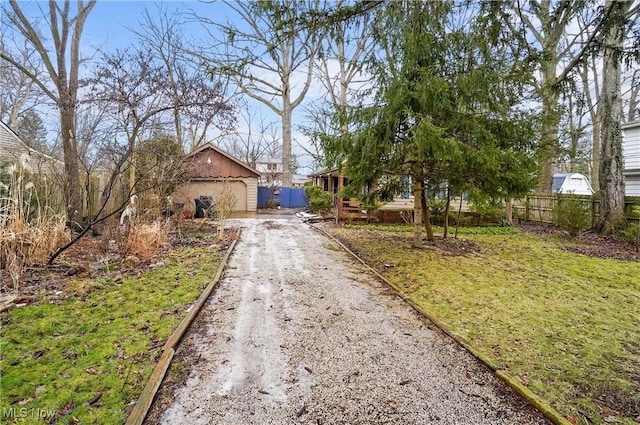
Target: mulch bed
<point x="82" y="261"/>
<point x="588" y="243"/>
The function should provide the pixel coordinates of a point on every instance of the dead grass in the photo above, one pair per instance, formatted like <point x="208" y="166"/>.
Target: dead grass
<point x="144" y="239"/>
<point x="565" y="324"/>
<point x="30" y="231"/>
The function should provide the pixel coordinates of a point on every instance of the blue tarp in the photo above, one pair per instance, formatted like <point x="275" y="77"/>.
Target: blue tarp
<point x="286" y="197"/>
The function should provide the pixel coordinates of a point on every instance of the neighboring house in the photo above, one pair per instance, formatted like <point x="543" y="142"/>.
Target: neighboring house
<point x="571" y="183"/>
<point x="299" y="180"/>
<point x="14" y="150"/>
<point x="631" y="155"/>
<point x="270" y="172"/>
<point x="333" y="181"/>
<point x="212" y="171"/>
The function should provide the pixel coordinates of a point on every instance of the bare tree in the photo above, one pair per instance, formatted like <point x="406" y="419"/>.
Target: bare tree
<point x="573" y="129"/>
<point x="633" y="105"/>
<point x="19" y="94"/>
<point x="138" y="94"/>
<point x="346" y="48"/>
<point x="265" y="55"/>
<point x="256" y="138"/>
<point x="590" y="76"/>
<point x="62" y="64"/>
<point x="339" y="68"/>
<point x="543" y="27"/>
<point x="166" y="44"/>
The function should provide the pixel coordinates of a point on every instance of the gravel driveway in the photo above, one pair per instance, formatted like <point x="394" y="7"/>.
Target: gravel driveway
<point x="298" y="333"/>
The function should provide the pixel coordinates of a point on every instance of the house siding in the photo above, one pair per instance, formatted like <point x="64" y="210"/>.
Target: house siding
<point x="631" y="154"/>
<point x="632" y="186"/>
<point x="252" y="194"/>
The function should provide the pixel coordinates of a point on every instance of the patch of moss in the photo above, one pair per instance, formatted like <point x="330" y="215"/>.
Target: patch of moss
<point x="89" y="356"/>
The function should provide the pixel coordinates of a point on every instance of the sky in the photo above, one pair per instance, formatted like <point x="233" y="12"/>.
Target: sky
<point x="109" y="27"/>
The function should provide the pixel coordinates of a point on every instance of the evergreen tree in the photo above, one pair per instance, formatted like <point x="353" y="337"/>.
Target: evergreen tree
<point x="32" y="130"/>
<point x="444" y="112"/>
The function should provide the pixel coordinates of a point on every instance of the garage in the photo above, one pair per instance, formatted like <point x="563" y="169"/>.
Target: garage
<point x="212" y="172"/>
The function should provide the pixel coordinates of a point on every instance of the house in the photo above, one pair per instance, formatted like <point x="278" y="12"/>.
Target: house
<point x="270" y="172"/>
<point x="571" y="183"/>
<point x="333" y="181"/>
<point x="14" y="150"/>
<point x="212" y="171"/>
<point x="631" y="155"/>
<point x="399" y="209"/>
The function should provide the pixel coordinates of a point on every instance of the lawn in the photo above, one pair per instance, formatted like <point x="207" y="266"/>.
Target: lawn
<point x="565" y="324"/>
<point x="86" y="359"/>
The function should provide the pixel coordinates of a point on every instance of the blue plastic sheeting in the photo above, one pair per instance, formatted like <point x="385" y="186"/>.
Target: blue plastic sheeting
<point x="286" y="197"/>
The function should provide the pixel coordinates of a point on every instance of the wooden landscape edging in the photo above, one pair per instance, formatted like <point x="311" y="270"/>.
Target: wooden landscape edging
<point x="142" y="406"/>
<point x="539" y="403"/>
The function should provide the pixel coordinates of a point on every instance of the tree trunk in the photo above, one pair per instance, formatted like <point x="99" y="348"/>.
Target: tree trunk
<point x="508" y="211"/>
<point x="550" y="124"/>
<point x="72" y="188"/>
<point x="417" y="207"/>
<point x="445" y="233"/>
<point x="595" y="156"/>
<point x="426" y="217"/>
<point x="611" y="162"/>
<point x="286" y="138"/>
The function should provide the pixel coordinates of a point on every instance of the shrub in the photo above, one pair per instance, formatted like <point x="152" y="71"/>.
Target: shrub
<point x="319" y="200"/>
<point x="570" y="214"/>
<point x="144" y="239"/>
<point x="225" y="202"/>
<point x="272" y="203"/>
<point x="631" y="232"/>
<point x="488" y="210"/>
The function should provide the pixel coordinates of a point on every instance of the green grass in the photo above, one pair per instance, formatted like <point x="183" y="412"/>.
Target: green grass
<point x="398" y="228"/>
<point x="566" y="325"/>
<point x="99" y="345"/>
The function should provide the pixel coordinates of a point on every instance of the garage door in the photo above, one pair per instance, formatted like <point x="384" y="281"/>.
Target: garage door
<point x="211" y="188"/>
<point x="240" y="189"/>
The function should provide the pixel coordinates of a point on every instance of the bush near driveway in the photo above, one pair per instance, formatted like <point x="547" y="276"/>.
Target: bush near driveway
<point x="565" y="324"/>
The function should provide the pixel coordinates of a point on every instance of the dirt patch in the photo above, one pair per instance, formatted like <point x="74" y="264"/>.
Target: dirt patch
<point x="272" y="225"/>
<point x="454" y="246"/>
<point x="587" y="243"/>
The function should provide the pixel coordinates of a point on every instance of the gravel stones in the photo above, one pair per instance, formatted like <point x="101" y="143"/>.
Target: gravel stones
<point x="301" y="334"/>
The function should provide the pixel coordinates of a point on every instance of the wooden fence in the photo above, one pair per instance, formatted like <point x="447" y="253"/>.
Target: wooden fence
<point x="539" y="208"/>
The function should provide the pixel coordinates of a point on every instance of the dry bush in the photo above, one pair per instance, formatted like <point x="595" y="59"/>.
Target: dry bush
<point x="30" y="231"/>
<point x="224" y="204"/>
<point x="144" y="239"/>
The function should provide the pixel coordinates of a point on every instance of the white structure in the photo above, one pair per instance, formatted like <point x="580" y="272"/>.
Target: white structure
<point x="631" y="155"/>
<point x="571" y="183"/>
<point x="270" y="171"/>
